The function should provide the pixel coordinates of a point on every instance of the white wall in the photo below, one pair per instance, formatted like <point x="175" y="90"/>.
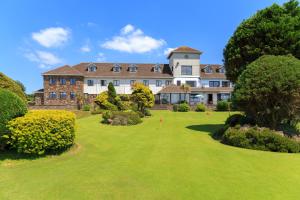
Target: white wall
<point x="183" y="80"/>
<point x="178" y="59"/>
<point x="124" y="88"/>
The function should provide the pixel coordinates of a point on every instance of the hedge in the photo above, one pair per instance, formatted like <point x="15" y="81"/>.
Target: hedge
<point x="200" y="107"/>
<point x="123" y="118"/>
<point x="42" y="131"/>
<point x="9" y="84"/>
<point x="11" y="106"/>
<point x="260" y="139"/>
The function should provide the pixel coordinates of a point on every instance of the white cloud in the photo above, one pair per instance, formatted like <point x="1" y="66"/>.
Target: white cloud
<point x="91" y="24"/>
<point x="167" y="51"/>
<point x="52" y="37"/>
<point x="85" y="48"/>
<point x="127" y="29"/>
<point x="100" y="57"/>
<point x="43" y="58"/>
<point x="133" y="40"/>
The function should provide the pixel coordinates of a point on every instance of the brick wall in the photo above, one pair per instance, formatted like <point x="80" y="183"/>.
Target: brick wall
<point x="58" y="88"/>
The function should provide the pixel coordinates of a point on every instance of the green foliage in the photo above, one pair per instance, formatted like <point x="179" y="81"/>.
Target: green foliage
<point x="269" y="89"/>
<point x="222" y="106"/>
<point x="272" y="31"/>
<point x="175" y="107"/>
<point x="42" y="131"/>
<point x="123" y="118"/>
<point x="142" y="96"/>
<point x="111" y="94"/>
<point x="11" y="106"/>
<point x="147" y="112"/>
<point x="22" y="86"/>
<point x="200" y="107"/>
<point x="86" y="107"/>
<point x="183" y="107"/>
<point x="11" y="85"/>
<point x="102" y="101"/>
<point x="260" y="139"/>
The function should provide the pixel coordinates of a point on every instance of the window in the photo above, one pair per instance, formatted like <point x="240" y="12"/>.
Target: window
<point x="191" y="83"/>
<point x="63" y="95"/>
<point x="168" y="82"/>
<point x="178" y="83"/>
<point x="158" y="83"/>
<point x="63" y="81"/>
<point x="52" y="81"/>
<point x="208" y="69"/>
<point x="157" y="68"/>
<point x="117" y="68"/>
<point x="90" y="82"/>
<point x="72" y="81"/>
<point x="72" y="95"/>
<point x="132" y="68"/>
<point x="214" y="83"/>
<point x="223" y="96"/>
<point x="225" y="84"/>
<point x="186" y="56"/>
<point x="116" y="82"/>
<point x="146" y="82"/>
<point x="103" y="82"/>
<point x="186" y="70"/>
<point x="52" y="95"/>
<point x="132" y="82"/>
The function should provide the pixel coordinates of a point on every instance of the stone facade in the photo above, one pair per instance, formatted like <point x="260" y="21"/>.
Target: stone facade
<point x="58" y="88"/>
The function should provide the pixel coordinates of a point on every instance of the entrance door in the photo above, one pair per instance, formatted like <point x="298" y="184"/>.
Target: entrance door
<point x="209" y="98"/>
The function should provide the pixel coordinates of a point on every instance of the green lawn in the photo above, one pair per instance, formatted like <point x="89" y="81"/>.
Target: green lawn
<point x="174" y="160"/>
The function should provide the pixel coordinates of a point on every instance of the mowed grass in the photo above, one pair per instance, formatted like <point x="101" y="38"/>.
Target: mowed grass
<point x="175" y="159"/>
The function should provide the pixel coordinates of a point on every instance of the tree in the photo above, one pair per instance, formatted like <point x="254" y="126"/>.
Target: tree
<point x="79" y="100"/>
<point x="186" y="88"/>
<point x="272" y="31"/>
<point x="268" y="90"/>
<point x="111" y="93"/>
<point x="142" y="96"/>
<point x="11" y="85"/>
<point x="22" y="86"/>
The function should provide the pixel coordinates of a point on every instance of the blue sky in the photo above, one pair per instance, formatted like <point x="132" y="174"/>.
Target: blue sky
<point x="37" y="36"/>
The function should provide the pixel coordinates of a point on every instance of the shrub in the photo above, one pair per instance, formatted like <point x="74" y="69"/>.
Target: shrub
<point x="9" y="84"/>
<point x="86" y="107"/>
<point x="268" y="90"/>
<point x="175" y="107"/>
<point x="42" y="131"/>
<point x="183" y="107"/>
<point x="142" y="96"/>
<point x="260" y="139"/>
<point x="200" y="107"/>
<point x="148" y="112"/>
<point x="121" y="118"/>
<point x="220" y="132"/>
<point x="11" y="106"/>
<point x="222" y="106"/>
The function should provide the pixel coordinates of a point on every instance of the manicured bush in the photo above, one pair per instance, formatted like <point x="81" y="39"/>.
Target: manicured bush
<point x="42" y="131"/>
<point x="260" y="139"/>
<point x="86" y="107"/>
<point x="148" y="112"/>
<point x="218" y="134"/>
<point x="11" y="85"/>
<point x="200" y="107"/>
<point x="183" y="107"/>
<point x="122" y="118"/>
<point x="222" y="106"/>
<point x="175" y="107"/>
<point x="11" y="106"/>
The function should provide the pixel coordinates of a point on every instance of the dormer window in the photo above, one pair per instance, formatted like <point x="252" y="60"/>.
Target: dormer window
<point x="208" y="69"/>
<point x="157" y="68"/>
<point x="132" y="68"/>
<point x="222" y="70"/>
<point x="92" y="68"/>
<point x="117" y="68"/>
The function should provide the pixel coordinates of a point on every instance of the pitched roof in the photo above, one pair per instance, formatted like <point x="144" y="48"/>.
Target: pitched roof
<point x="174" y="89"/>
<point x="64" y="70"/>
<point x="214" y="73"/>
<point x="184" y="49"/>
<point x="106" y="70"/>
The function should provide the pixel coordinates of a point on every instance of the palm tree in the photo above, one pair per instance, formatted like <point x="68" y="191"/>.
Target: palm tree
<point x="186" y="88"/>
